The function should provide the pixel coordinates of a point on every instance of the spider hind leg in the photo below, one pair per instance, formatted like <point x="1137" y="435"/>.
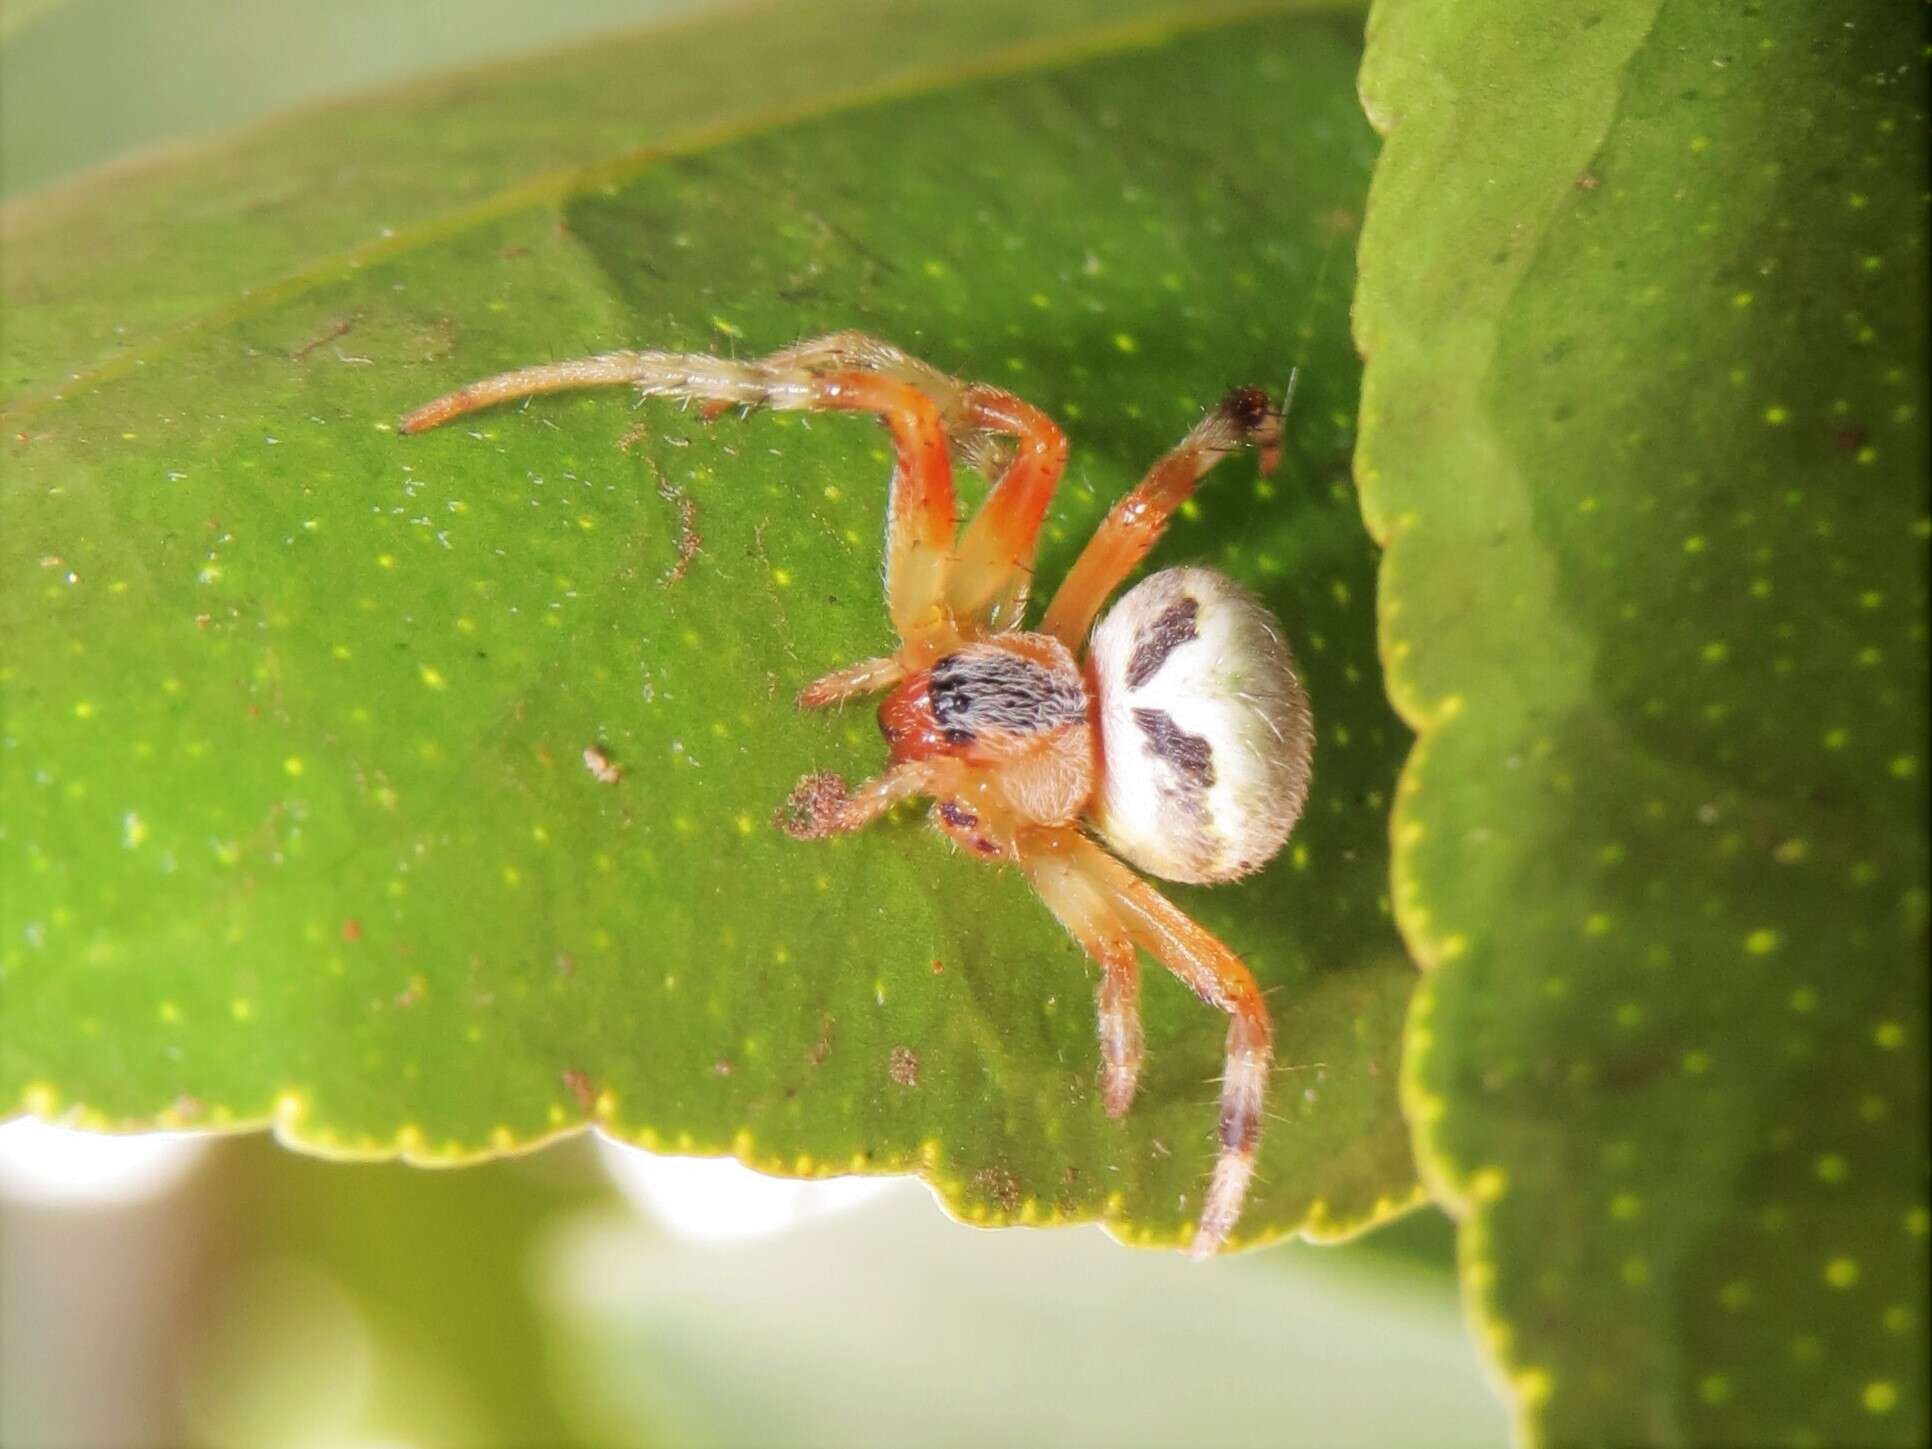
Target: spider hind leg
<point x="1097" y="896"/>
<point x="1082" y="907"/>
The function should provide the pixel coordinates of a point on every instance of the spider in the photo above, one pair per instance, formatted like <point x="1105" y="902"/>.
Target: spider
<point x="1181" y="737"/>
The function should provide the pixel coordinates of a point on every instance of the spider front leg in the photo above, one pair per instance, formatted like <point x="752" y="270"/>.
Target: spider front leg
<point x="1134" y="525"/>
<point x="994" y="560"/>
<point x="994" y="567"/>
<point x="822" y="805"/>
<point x="855" y="681"/>
<point x="1093" y="892"/>
<point x="921" y="519"/>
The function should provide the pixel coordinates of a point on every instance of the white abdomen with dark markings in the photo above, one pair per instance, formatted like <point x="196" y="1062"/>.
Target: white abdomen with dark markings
<point x="1204" y="728"/>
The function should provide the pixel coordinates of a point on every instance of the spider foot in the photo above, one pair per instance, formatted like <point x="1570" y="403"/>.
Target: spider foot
<point x="1254" y="413"/>
<point x="815" y="808"/>
<point x="1225" y="1195"/>
<point x="1242" y="1089"/>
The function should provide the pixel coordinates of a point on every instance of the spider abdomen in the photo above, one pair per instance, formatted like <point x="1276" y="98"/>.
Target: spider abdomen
<point x="1205" y="731"/>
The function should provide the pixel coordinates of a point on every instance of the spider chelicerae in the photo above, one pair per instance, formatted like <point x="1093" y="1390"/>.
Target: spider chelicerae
<point x="1181" y="736"/>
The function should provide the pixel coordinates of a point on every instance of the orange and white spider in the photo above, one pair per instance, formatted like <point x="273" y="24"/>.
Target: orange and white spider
<point x="1182" y="737"/>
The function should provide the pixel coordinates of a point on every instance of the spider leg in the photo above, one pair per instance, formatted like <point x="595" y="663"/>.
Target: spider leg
<point x="920" y="520"/>
<point x="1136" y="523"/>
<point x="975" y="443"/>
<point x="868" y="676"/>
<point x="995" y="556"/>
<point x="1216" y="975"/>
<point x="692" y="375"/>
<point x="1073" y="896"/>
<point x="920" y="517"/>
<point x="994" y="561"/>
<point x="851" y="351"/>
<point x="822" y="804"/>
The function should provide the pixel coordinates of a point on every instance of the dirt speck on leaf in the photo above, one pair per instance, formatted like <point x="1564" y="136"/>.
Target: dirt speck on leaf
<point x="689" y="539"/>
<point x="903" y="1067"/>
<point x="822" y="1048"/>
<point x="1000" y="1185"/>
<point x="338" y="328"/>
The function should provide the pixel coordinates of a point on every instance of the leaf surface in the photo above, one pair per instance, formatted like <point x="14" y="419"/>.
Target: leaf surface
<point x="1643" y="294"/>
<point x="300" y="820"/>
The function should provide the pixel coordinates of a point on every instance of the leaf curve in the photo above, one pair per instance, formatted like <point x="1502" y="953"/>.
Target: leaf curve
<point x="1642" y="290"/>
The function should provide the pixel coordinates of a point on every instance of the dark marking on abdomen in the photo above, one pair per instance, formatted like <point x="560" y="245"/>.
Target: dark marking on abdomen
<point x="1191" y="755"/>
<point x="1173" y="627"/>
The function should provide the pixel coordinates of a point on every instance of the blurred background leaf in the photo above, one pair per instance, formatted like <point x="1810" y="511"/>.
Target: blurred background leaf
<point x="298" y="711"/>
<point x="1643" y="294"/>
<point x="270" y="1300"/>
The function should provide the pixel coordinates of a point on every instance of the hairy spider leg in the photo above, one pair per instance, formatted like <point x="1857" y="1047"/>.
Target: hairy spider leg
<point x="1133" y="526"/>
<point x="868" y="676"/>
<point x="822" y="805"/>
<point x="1216" y="975"/>
<point x="851" y="351"/>
<point x="974" y="444"/>
<point x="995" y="557"/>
<point x="994" y="561"/>
<point x="1071" y="894"/>
<point x="921" y="520"/>
<point x="692" y="375"/>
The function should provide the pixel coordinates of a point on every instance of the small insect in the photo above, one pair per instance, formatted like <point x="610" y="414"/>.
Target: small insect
<point x="1175" y="729"/>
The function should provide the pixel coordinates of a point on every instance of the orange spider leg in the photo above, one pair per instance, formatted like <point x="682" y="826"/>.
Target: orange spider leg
<point x="975" y="445"/>
<point x="822" y="804"/>
<point x="1071" y="895"/>
<point x="1216" y="975"/>
<point x="1136" y="523"/>
<point x="995" y="557"/>
<point x="920" y="517"/>
<point x="692" y="375"/>
<point x="868" y="676"/>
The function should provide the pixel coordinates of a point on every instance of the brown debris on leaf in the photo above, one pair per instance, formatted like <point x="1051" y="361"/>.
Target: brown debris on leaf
<point x="999" y="1184"/>
<point x="903" y="1066"/>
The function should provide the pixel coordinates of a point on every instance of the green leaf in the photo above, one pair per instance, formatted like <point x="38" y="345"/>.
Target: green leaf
<point x="1643" y="294"/>
<point x="297" y="710"/>
<point x="97" y="272"/>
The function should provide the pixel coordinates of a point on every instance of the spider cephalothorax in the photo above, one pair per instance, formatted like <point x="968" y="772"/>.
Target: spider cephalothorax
<point x="1182" y="737"/>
